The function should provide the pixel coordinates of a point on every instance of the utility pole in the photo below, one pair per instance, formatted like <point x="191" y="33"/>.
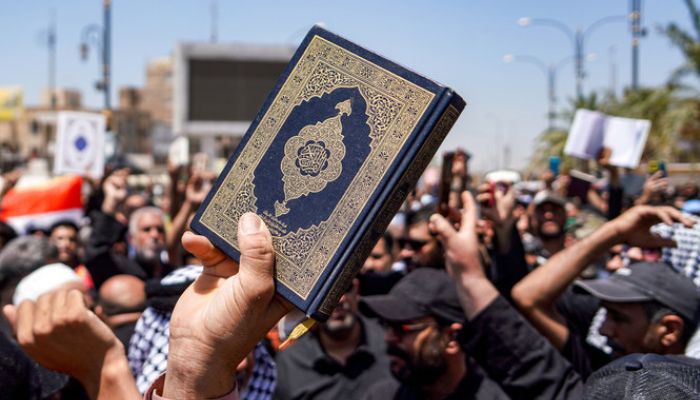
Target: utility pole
<point x="214" y="10"/>
<point x="637" y="33"/>
<point x="52" y="59"/>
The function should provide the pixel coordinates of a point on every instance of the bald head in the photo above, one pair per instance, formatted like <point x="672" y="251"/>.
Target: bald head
<point x="122" y="294"/>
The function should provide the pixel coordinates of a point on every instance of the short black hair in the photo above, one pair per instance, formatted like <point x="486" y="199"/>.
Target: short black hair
<point x="63" y="223"/>
<point x="655" y="311"/>
<point x="423" y="214"/>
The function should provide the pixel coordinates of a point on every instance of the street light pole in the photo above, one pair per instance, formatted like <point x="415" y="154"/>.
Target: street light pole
<point x="577" y="38"/>
<point x="100" y="36"/>
<point x="106" y="53"/>
<point x="550" y="73"/>
<point x="637" y="33"/>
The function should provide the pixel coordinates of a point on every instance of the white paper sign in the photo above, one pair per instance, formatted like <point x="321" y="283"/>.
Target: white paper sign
<point x="80" y="141"/>
<point x="586" y="134"/>
<point x="626" y="138"/>
<point x="179" y="151"/>
<point x="593" y="130"/>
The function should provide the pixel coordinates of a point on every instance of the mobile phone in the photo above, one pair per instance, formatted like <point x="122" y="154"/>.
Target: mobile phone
<point x="445" y="184"/>
<point x="662" y="168"/>
<point x="653" y="167"/>
<point x="554" y="162"/>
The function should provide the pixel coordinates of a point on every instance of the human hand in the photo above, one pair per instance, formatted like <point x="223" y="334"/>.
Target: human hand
<point x="198" y="187"/>
<point x="223" y="314"/>
<point x="501" y="214"/>
<point x="115" y="191"/>
<point x="655" y="183"/>
<point x="60" y="333"/>
<point x="10" y="179"/>
<point x="461" y="246"/>
<point x="633" y="226"/>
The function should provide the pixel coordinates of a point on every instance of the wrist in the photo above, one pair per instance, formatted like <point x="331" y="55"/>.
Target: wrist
<point x="188" y="378"/>
<point x="110" y="374"/>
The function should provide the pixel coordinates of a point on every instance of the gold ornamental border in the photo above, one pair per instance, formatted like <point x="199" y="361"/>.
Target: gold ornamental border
<point x="343" y="70"/>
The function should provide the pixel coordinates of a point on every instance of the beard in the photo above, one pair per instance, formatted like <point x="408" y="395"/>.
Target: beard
<point x="340" y="327"/>
<point x="422" y="369"/>
<point x="550" y="233"/>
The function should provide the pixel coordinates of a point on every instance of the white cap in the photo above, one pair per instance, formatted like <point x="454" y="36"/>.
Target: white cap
<point x="44" y="280"/>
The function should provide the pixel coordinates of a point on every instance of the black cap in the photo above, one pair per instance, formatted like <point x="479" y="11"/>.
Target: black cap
<point x="423" y="292"/>
<point x="646" y="376"/>
<point x="647" y="281"/>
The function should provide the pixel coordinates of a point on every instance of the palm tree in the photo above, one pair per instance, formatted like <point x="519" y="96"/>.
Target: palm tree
<point x="687" y="42"/>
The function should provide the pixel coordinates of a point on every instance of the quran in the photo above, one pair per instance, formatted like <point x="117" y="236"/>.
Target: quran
<point x="335" y="149"/>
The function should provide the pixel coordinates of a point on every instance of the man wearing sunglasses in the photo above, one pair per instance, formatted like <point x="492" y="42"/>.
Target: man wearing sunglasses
<point x="419" y="249"/>
<point x="422" y="318"/>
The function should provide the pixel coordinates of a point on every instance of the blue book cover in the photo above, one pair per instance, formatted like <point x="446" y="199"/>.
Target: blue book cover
<point x="337" y="146"/>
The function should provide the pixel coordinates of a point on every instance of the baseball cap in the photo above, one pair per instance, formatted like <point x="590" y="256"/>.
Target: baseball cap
<point x="646" y="376"/>
<point x="547" y="196"/>
<point x="423" y="292"/>
<point x="647" y="281"/>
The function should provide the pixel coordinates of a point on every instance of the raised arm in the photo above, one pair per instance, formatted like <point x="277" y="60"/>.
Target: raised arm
<point x="536" y="294"/>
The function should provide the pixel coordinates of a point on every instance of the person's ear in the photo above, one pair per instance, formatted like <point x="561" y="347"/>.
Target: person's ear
<point x="670" y="329"/>
<point x="452" y="331"/>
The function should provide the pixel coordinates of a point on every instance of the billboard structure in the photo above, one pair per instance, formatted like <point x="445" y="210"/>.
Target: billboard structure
<point x="219" y="87"/>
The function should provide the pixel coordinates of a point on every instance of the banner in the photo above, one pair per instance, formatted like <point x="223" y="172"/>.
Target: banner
<point x="40" y="206"/>
<point x="80" y="144"/>
<point x="11" y="103"/>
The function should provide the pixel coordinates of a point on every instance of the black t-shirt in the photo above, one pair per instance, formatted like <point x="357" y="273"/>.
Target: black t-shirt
<point x="475" y="385"/>
<point x="578" y="310"/>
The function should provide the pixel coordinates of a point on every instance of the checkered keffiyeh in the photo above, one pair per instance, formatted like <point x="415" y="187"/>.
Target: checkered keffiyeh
<point x="685" y="257"/>
<point x="148" y="349"/>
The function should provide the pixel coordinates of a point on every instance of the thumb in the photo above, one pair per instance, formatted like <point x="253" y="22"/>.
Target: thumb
<point x="257" y="255"/>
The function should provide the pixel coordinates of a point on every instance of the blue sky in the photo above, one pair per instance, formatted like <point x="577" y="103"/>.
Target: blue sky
<point x="458" y="43"/>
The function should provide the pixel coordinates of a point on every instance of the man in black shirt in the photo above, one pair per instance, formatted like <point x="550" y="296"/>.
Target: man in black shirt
<point x="422" y="316"/>
<point x="340" y="360"/>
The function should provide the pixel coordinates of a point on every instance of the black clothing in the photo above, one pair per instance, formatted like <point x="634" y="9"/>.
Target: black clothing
<point x="124" y="332"/>
<point x="373" y="283"/>
<point x="507" y="267"/>
<point x="578" y="311"/>
<point x="304" y="371"/>
<point x="475" y="385"/>
<point x="101" y="261"/>
<point x="22" y="378"/>
<point x="515" y="355"/>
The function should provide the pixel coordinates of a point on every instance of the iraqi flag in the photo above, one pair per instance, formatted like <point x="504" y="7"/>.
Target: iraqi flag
<point x="42" y="205"/>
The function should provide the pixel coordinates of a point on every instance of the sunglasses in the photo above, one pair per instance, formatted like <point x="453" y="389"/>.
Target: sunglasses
<point x="413" y="244"/>
<point x="405" y="328"/>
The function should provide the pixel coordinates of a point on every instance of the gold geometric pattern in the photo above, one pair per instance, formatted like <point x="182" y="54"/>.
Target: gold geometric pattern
<point x="394" y="108"/>
<point x="313" y="158"/>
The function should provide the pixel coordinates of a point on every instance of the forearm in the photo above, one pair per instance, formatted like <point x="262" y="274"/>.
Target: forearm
<point x="113" y="380"/>
<point x="178" y="228"/>
<point x="475" y="293"/>
<point x="543" y="286"/>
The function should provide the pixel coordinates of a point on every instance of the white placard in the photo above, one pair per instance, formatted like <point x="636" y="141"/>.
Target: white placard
<point x="586" y="134"/>
<point x="80" y="141"/>
<point x="626" y="138"/>
<point x="179" y="152"/>
<point x="593" y="130"/>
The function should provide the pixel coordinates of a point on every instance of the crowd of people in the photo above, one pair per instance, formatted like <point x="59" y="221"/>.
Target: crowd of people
<point x="495" y="288"/>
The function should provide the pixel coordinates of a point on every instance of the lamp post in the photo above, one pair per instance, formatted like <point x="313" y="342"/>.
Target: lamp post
<point x="47" y="37"/>
<point x="550" y="73"/>
<point x="577" y="38"/>
<point x="100" y="37"/>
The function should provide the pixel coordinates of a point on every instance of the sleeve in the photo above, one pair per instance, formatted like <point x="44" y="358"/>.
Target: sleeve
<point x="515" y="355"/>
<point x="100" y="260"/>
<point x="615" y="195"/>
<point x="157" y="387"/>
<point x="510" y="267"/>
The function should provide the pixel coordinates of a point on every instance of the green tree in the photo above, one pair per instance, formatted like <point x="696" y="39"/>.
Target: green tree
<point x="687" y="42"/>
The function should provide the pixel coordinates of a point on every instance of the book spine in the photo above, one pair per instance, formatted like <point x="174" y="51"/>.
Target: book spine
<point x="414" y="163"/>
